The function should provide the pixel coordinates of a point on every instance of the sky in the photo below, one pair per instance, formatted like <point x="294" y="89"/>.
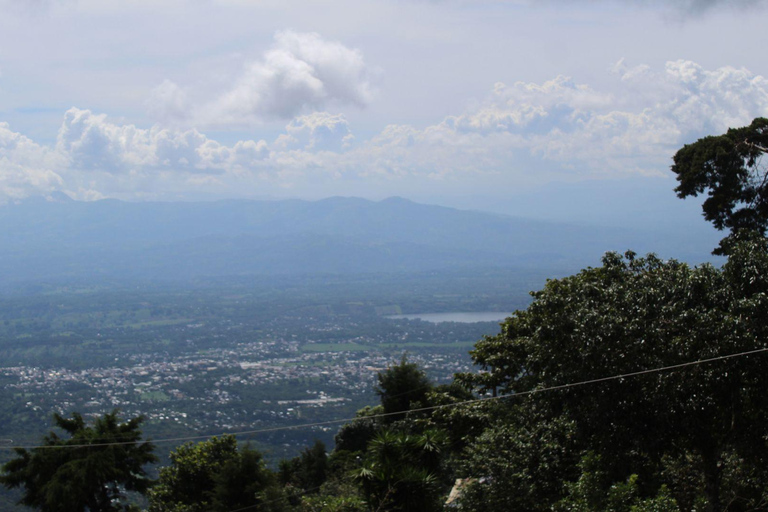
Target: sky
<point x="546" y="107"/>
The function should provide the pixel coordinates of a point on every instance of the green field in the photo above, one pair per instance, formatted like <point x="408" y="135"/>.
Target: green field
<point x="336" y="347"/>
<point x="154" y="396"/>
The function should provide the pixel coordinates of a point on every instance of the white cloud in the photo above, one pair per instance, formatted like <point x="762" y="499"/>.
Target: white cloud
<point x="94" y="144"/>
<point x="26" y="168"/>
<point x="114" y="160"/>
<point x="634" y="129"/>
<point x="531" y="108"/>
<point x="523" y="133"/>
<point x="319" y="131"/>
<point x="301" y="73"/>
<point x="712" y="101"/>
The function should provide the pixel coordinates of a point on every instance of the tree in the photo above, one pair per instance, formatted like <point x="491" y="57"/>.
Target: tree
<point x="354" y="436"/>
<point x="214" y="476"/>
<point x="245" y="482"/>
<point x="588" y="493"/>
<point x="634" y="314"/>
<point x="307" y="471"/>
<point x="313" y="466"/>
<point x="400" y="471"/>
<point x="88" y="471"/>
<point x="519" y="462"/>
<point x="729" y="168"/>
<point x="190" y="479"/>
<point x="400" y="386"/>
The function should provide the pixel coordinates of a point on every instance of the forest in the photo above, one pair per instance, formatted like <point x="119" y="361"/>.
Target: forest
<point x="637" y="385"/>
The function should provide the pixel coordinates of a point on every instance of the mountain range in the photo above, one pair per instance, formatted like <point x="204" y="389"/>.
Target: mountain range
<point x="53" y="239"/>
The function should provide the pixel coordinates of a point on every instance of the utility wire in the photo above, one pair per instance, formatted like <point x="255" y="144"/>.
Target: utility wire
<point x="421" y="409"/>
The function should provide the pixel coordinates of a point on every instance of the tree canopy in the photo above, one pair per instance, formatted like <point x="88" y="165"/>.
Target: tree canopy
<point x="730" y="170"/>
<point x="401" y="385"/>
<point x="215" y="475"/>
<point x="89" y="470"/>
<point x="634" y="314"/>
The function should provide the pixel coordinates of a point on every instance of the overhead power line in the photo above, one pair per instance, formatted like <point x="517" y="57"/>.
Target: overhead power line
<point x="421" y="409"/>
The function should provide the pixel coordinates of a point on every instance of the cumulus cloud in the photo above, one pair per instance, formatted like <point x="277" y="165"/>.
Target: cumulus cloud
<point x="634" y="128"/>
<point x="319" y="131"/>
<point x="530" y="108"/>
<point x="93" y="143"/>
<point x="103" y="158"/>
<point x="520" y="133"/>
<point x="559" y="129"/>
<point x="26" y="168"/>
<point x="299" y="74"/>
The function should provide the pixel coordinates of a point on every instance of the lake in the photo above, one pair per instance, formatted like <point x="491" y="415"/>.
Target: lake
<point x="457" y="316"/>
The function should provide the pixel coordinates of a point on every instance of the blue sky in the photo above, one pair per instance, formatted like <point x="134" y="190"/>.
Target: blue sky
<point x="464" y="103"/>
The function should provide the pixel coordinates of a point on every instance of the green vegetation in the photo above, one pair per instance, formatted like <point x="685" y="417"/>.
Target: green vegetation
<point x="635" y="314"/>
<point x="214" y="476"/>
<point x="157" y="396"/>
<point x="90" y="470"/>
<point x="401" y="387"/>
<point x="335" y="347"/>
<point x="729" y="168"/>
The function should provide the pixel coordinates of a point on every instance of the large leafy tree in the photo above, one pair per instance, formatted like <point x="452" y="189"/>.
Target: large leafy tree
<point x="88" y="470"/>
<point x="215" y="475"/>
<point x="519" y="463"/>
<point x="730" y="170"/>
<point x="634" y="314"/>
<point x="307" y="471"/>
<point x="400" y="386"/>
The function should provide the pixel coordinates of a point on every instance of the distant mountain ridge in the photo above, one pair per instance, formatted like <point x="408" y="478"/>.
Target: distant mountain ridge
<point x="42" y="239"/>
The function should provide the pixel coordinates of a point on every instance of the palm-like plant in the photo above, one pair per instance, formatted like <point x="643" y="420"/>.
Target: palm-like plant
<point x="400" y="471"/>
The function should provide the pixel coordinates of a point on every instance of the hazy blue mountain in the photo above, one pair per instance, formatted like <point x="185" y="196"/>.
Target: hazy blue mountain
<point x="42" y="239"/>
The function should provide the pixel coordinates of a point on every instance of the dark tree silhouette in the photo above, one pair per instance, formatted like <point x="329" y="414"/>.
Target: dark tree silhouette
<point x="730" y="170"/>
<point x="88" y="471"/>
<point x="400" y="386"/>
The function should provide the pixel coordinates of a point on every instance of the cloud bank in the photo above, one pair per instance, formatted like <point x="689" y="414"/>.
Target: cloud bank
<point x="521" y="133"/>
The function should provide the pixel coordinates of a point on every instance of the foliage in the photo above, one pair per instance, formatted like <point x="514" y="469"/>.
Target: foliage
<point x="335" y="496"/>
<point x="636" y="314"/>
<point x="588" y="493"/>
<point x="308" y="471"/>
<point x="340" y="492"/>
<point x="187" y="483"/>
<point x="729" y="168"/>
<point x="401" y="471"/>
<point x="88" y="471"/>
<point x="354" y="436"/>
<point x="519" y="463"/>
<point x="400" y="386"/>
<point x="214" y="476"/>
<point x="243" y="481"/>
<point x="461" y="421"/>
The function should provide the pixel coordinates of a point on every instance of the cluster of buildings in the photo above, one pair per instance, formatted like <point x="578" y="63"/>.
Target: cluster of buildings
<point x="240" y="386"/>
